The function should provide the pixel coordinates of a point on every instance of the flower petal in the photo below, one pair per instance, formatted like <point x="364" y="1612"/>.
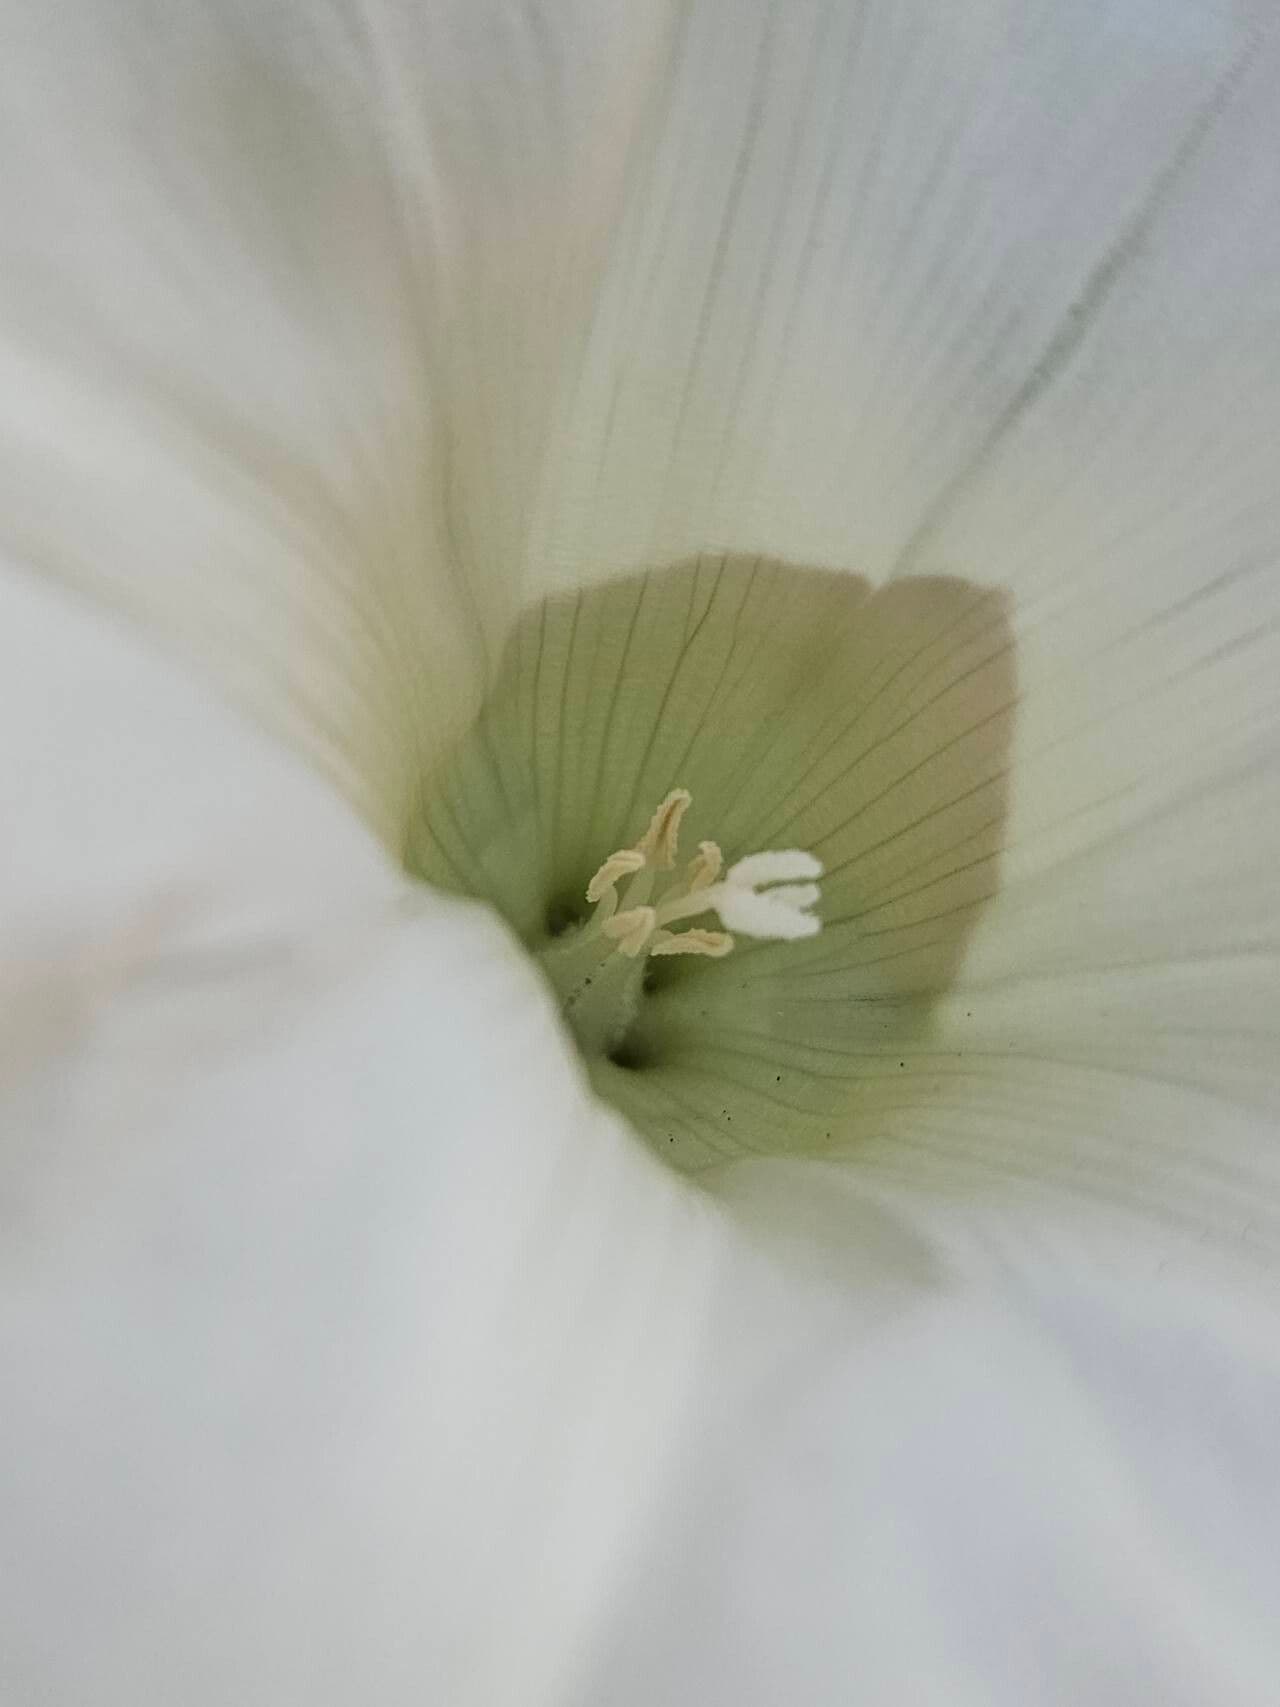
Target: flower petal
<point x="1020" y="1472"/>
<point x="854" y="236"/>
<point x="140" y="815"/>
<point x="349" y="1347"/>
<point x="265" y="279"/>
<point x="344" y="1338"/>
<point x="1117" y="1025"/>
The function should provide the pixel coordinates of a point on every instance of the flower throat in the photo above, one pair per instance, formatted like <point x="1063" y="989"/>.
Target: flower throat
<point x="758" y="705"/>
<point x="599" y="968"/>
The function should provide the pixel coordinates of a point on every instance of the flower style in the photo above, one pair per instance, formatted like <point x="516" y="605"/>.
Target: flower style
<point x="433" y="439"/>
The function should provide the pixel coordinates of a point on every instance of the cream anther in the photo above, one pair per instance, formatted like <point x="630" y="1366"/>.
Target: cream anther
<point x="740" y="897"/>
<point x="705" y="866"/>
<point x="659" y="842"/>
<point x="714" y="944"/>
<point x="598" y="968"/>
<point x="621" y="864"/>
<point x="632" y="929"/>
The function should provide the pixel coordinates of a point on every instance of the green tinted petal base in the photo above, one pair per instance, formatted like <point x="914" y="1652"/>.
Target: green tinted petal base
<point x="801" y="710"/>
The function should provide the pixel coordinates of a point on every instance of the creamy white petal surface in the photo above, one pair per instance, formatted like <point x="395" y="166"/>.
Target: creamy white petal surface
<point x="350" y="1354"/>
<point x="1033" y="1479"/>
<point x="337" y="1364"/>
<point x="284" y="293"/>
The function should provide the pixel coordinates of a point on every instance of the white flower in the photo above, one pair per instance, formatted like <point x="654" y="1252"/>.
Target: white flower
<point x="353" y="1350"/>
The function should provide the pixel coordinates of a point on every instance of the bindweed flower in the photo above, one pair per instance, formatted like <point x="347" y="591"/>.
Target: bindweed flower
<point x="638" y="1011"/>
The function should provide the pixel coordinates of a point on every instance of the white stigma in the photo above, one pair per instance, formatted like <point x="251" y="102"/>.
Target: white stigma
<point x="759" y="896"/>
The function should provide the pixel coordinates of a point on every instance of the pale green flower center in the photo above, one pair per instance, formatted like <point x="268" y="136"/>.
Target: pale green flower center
<point x="861" y="733"/>
<point x="599" y="968"/>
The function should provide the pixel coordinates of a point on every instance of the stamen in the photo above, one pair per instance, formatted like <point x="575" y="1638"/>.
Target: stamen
<point x="714" y="944"/>
<point x="659" y="842"/>
<point x="598" y="968"/>
<point x="704" y="867"/>
<point x="632" y="929"/>
<point x="620" y="864"/>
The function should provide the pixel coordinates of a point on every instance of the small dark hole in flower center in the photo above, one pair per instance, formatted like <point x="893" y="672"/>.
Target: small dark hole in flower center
<point x="630" y="1056"/>
<point x="563" y="913"/>
<point x="661" y="974"/>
